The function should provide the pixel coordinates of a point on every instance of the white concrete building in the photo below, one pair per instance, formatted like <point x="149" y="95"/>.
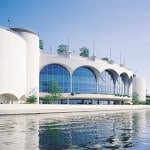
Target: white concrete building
<point x="139" y="86"/>
<point x="25" y="71"/>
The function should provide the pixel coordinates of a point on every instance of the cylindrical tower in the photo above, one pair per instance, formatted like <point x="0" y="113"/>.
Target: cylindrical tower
<point x="32" y="66"/>
<point x="139" y="86"/>
<point x="12" y="66"/>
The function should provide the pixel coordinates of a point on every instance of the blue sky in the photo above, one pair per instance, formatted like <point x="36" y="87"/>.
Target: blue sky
<point x="123" y="24"/>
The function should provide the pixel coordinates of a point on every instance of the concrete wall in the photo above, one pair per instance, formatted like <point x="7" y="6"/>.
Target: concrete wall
<point x="12" y="63"/>
<point x="40" y="108"/>
<point x="32" y="65"/>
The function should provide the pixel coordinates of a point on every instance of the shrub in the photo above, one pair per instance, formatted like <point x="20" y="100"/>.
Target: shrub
<point x="31" y="99"/>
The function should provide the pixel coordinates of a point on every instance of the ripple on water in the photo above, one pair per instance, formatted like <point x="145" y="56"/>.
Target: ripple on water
<point x="71" y="131"/>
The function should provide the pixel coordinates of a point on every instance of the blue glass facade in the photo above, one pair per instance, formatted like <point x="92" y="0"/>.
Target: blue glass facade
<point x="106" y="84"/>
<point x="120" y="87"/>
<point x="84" y="81"/>
<point x="55" y="72"/>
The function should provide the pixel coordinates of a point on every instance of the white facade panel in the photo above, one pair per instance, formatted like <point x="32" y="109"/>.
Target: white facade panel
<point x="12" y="64"/>
<point x="32" y="64"/>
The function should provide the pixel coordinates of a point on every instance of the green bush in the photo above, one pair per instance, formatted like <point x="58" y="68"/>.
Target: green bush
<point x="147" y="102"/>
<point x="135" y="98"/>
<point x="31" y="99"/>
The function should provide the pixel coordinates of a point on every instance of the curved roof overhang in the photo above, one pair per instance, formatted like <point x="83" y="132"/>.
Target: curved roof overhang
<point x="124" y="76"/>
<point x="94" y="69"/>
<point x="113" y="73"/>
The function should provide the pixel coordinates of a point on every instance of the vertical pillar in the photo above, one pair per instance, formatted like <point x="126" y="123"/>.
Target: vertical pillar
<point x="68" y="101"/>
<point x="71" y="83"/>
<point x="128" y="89"/>
<point x="9" y="101"/>
<point x="124" y="89"/>
<point x="114" y="87"/>
<point x="120" y="102"/>
<point x="97" y="83"/>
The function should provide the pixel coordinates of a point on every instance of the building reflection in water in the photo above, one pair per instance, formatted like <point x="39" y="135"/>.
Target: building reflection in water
<point x="111" y="130"/>
<point x="90" y="131"/>
<point x="19" y="132"/>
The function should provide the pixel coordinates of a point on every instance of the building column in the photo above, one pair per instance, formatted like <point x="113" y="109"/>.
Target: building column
<point x="114" y="87"/>
<point x="120" y="102"/>
<point x="71" y="91"/>
<point x="97" y="85"/>
<point x="124" y="89"/>
<point x="68" y="101"/>
<point x="10" y="101"/>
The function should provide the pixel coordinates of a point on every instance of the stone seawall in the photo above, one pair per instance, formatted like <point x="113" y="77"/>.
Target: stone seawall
<point x="18" y="109"/>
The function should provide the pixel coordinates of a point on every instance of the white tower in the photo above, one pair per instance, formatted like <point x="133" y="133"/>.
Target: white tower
<point x="12" y="67"/>
<point x="32" y="66"/>
<point x="139" y="86"/>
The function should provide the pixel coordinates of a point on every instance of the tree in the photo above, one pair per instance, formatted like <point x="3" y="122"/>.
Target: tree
<point x="105" y="59"/>
<point x="41" y="44"/>
<point x="135" y="98"/>
<point x="62" y="49"/>
<point x="31" y="99"/>
<point x="84" y="52"/>
<point x="54" y="92"/>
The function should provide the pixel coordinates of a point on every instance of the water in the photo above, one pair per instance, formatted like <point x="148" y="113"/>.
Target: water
<point x="76" y="131"/>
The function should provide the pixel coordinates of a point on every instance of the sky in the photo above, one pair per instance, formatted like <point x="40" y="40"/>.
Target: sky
<point x="123" y="25"/>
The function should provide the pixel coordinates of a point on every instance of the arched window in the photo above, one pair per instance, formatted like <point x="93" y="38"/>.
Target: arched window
<point x="106" y="84"/>
<point x="55" y="72"/>
<point x="84" y="80"/>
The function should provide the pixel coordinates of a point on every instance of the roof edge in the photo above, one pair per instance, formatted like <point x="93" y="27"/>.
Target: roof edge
<point x="23" y="30"/>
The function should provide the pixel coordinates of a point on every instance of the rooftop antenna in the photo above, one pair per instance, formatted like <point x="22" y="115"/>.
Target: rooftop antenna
<point x="124" y="62"/>
<point x="69" y="52"/>
<point x="93" y="49"/>
<point x="50" y="48"/>
<point x="110" y="52"/>
<point x="134" y="75"/>
<point x="8" y="23"/>
<point x="68" y="44"/>
<point x="120" y="58"/>
<point x="93" y="56"/>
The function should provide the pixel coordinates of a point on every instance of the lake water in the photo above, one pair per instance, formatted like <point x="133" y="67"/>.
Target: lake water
<point x="76" y="131"/>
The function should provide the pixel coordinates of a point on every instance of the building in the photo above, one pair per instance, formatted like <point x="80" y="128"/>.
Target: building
<point x="25" y="71"/>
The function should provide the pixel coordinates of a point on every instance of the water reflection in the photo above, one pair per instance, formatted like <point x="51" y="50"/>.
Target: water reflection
<point x="111" y="130"/>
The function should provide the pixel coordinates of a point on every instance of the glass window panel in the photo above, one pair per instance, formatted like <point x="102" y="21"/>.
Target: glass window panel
<point x="81" y="80"/>
<point x="54" y="72"/>
<point x="106" y="84"/>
